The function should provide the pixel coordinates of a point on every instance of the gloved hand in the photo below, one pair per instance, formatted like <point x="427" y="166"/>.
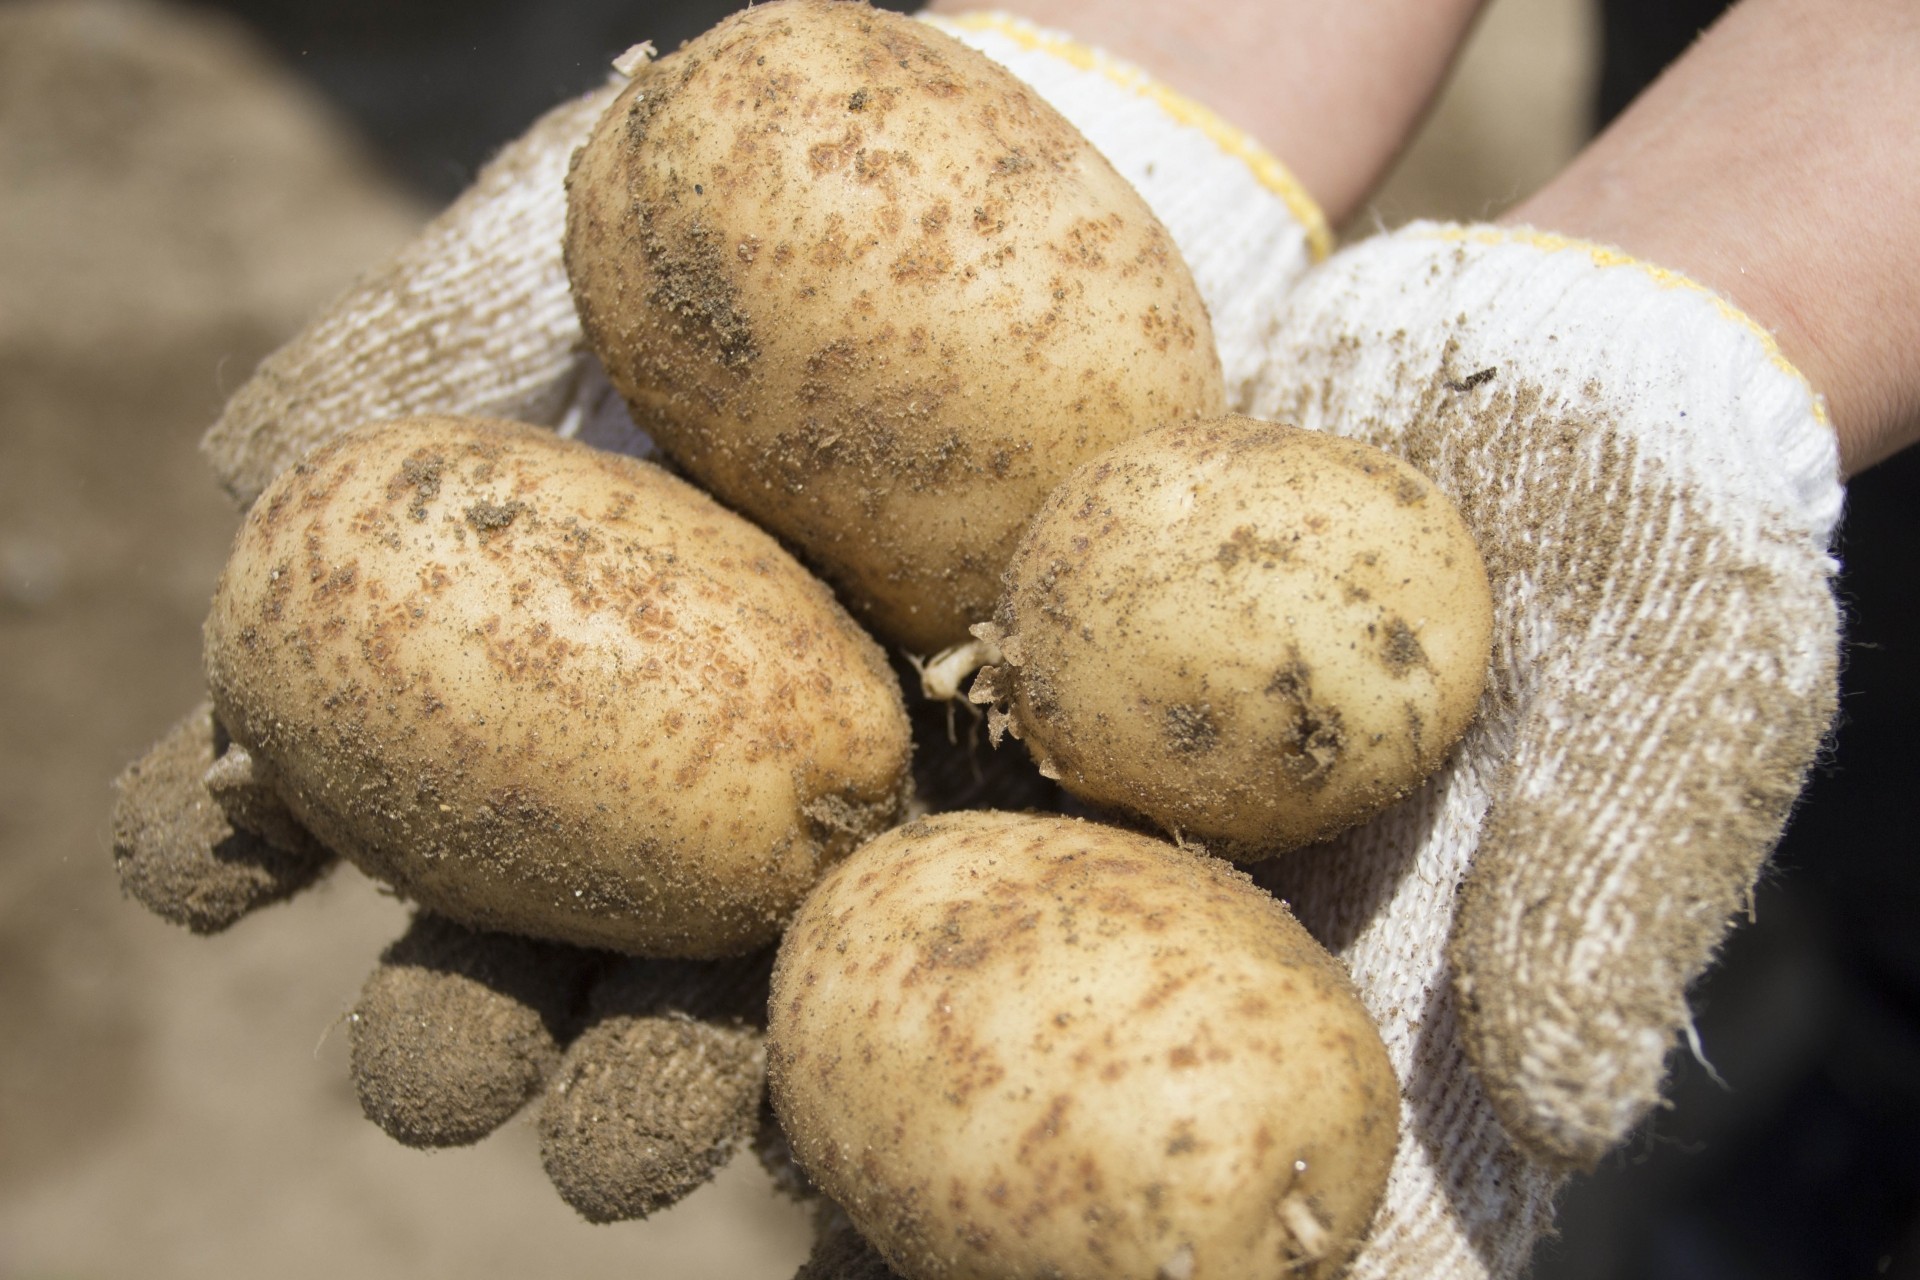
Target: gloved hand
<point x="1665" y="665"/>
<point x="1653" y="487"/>
<point x="650" y="1072"/>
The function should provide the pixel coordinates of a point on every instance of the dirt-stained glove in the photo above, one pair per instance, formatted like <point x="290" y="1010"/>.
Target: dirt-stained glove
<point x="178" y="851"/>
<point x="1653" y="487"/>
<point x="650" y="1073"/>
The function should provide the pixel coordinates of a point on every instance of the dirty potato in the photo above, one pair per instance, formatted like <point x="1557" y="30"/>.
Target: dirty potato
<point x="869" y="289"/>
<point x="551" y="691"/>
<point x="1025" y="1046"/>
<point x="1251" y="634"/>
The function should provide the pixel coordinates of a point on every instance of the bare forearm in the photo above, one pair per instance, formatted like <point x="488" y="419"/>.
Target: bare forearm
<point x="1333" y="90"/>
<point x="1778" y="163"/>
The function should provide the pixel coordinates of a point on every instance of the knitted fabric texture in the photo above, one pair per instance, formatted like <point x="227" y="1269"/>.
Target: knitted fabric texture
<point x="1653" y="489"/>
<point x="472" y="317"/>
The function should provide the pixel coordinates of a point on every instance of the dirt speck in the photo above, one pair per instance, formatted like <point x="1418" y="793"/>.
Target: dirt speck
<point x="421" y="474"/>
<point x="1400" y="650"/>
<point x="1191" y="730"/>
<point x="491" y="517"/>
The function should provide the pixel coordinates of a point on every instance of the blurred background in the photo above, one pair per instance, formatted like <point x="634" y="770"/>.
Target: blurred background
<point x="179" y="188"/>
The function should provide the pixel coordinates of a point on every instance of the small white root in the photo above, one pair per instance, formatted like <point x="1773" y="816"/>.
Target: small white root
<point x="1308" y="1231"/>
<point x="246" y="790"/>
<point x="629" y="63"/>
<point x="942" y="675"/>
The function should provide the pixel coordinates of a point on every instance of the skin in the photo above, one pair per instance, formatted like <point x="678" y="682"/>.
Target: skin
<point x="1777" y="163"/>
<point x="1774" y="162"/>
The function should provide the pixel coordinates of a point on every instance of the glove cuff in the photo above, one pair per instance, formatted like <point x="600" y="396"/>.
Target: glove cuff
<point x="1246" y="227"/>
<point x="1699" y="384"/>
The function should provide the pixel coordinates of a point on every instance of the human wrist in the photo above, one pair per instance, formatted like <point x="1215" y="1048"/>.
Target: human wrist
<point x="1762" y="165"/>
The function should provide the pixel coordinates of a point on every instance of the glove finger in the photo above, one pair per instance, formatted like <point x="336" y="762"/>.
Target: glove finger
<point x="662" y="1086"/>
<point x="181" y="854"/>
<point x="474" y="316"/>
<point x="1656" y="757"/>
<point x="456" y="1029"/>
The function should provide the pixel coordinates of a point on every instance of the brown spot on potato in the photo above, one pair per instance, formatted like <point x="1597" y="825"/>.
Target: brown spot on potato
<point x="1400" y="649"/>
<point x="826" y="157"/>
<point x="1048" y="1127"/>
<point x="1191" y="730"/>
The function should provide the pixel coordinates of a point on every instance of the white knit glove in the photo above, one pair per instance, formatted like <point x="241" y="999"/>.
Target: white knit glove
<point x="1653" y="488"/>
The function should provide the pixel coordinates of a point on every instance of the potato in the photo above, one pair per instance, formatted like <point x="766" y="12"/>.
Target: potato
<point x="1024" y="1046"/>
<point x="546" y="690"/>
<point x="870" y="290"/>
<point x="1253" y="635"/>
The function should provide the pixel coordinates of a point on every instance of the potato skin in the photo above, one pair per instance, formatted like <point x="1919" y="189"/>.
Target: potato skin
<point x="869" y="289"/>
<point x="1022" y="1046"/>
<point x="551" y="691"/>
<point x="1252" y="634"/>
